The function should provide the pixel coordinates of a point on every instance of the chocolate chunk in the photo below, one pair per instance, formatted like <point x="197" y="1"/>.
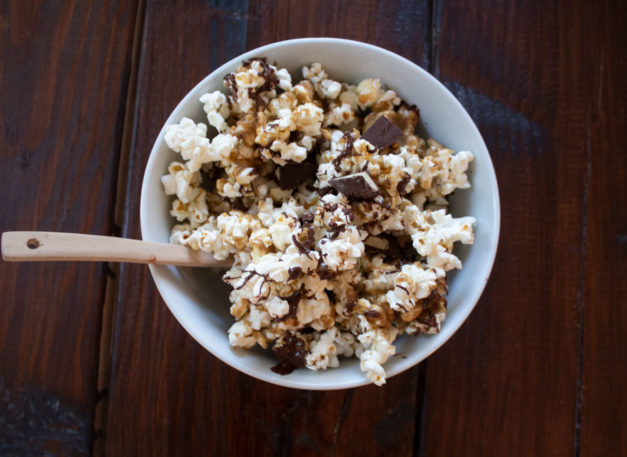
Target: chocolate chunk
<point x="324" y="272"/>
<point x="293" y="175"/>
<point x="382" y="133"/>
<point x="359" y="186"/>
<point x="350" y="306"/>
<point x="391" y="247"/>
<point x="293" y="273"/>
<point x="401" y="187"/>
<point x="290" y="351"/>
<point x="377" y="243"/>
<point x="237" y="203"/>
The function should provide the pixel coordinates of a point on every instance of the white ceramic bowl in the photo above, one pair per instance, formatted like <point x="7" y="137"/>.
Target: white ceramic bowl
<point x="199" y="299"/>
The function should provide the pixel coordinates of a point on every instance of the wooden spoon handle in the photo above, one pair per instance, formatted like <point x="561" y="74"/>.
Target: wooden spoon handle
<point x="36" y="246"/>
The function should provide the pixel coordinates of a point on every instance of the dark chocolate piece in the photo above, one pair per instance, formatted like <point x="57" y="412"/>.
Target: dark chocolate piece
<point x="293" y="273"/>
<point x="324" y="272"/>
<point x="359" y="186"/>
<point x="391" y="247"/>
<point x="293" y="175"/>
<point x="382" y="133"/>
<point x="377" y="243"/>
<point x="401" y="187"/>
<point x="237" y="203"/>
<point x="290" y="351"/>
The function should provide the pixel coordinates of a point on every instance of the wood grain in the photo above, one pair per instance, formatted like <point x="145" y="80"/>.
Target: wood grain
<point x="506" y="383"/>
<point x="91" y="360"/>
<point x="62" y="82"/>
<point x="400" y="26"/>
<point x="604" y="276"/>
<point x="183" y="398"/>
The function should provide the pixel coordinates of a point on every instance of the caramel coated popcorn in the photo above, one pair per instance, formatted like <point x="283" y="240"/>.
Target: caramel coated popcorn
<point x="333" y="209"/>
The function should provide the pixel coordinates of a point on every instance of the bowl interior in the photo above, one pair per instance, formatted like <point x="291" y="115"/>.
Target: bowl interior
<point x="199" y="299"/>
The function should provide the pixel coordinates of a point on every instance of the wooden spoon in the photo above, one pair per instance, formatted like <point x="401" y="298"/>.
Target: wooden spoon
<point x="39" y="246"/>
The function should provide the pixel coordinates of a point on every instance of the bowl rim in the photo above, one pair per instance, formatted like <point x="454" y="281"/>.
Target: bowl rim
<point x="446" y="332"/>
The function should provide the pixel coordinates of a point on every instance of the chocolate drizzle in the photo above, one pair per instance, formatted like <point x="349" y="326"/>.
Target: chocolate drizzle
<point x="292" y="301"/>
<point x="347" y="152"/>
<point x="246" y="279"/>
<point x="304" y="245"/>
<point x="308" y="218"/>
<point x="267" y="73"/>
<point x="260" y="103"/>
<point x="229" y="81"/>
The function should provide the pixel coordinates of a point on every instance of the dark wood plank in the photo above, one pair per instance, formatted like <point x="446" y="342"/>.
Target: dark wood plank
<point x="604" y="294"/>
<point x="400" y="26"/>
<point x="184" y="400"/>
<point x="506" y="383"/>
<point x="63" y="72"/>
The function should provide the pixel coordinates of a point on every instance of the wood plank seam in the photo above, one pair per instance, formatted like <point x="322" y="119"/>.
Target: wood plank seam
<point x="340" y="419"/>
<point x="435" y="19"/>
<point x="434" y="49"/>
<point x="111" y="285"/>
<point x="581" y="285"/>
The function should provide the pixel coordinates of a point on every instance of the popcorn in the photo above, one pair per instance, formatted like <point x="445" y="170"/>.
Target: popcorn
<point x="336" y="220"/>
<point x="217" y="109"/>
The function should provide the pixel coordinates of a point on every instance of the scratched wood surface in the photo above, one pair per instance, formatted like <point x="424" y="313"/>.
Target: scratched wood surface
<point x="63" y="73"/>
<point x="518" y="361"/>
<point x="604" y="274"/>
<point x="91" y="360"/>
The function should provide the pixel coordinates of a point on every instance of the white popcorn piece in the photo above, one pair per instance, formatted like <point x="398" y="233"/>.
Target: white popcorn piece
<point x="308" y="119"/>
<point x="291" y="151"/>
<point x="412" y="283"/>
<point x="285" y="79"/>
<point x="323" y="352"/>
<point x="217" y="109"/>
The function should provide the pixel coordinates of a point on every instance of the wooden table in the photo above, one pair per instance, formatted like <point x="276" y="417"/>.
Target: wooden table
<point x="91" y="360"/>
